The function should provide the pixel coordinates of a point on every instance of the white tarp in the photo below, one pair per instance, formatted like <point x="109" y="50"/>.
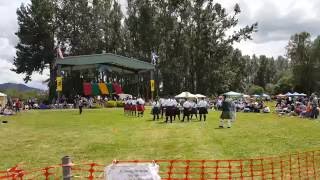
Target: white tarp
<point x="126" y="171"/>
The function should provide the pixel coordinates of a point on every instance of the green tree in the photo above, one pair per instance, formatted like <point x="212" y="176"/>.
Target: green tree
<point x="35" y="49"/>
<point x="299" y="51"/>
<point x="254" y="89"/>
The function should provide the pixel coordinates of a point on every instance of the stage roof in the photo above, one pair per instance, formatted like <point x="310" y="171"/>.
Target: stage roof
<point x="105" y="60"/>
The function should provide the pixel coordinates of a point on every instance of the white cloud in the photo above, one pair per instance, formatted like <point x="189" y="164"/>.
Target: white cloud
<point x="6" y="75"/>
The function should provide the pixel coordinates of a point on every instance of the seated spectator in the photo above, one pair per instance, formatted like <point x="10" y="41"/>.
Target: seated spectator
<point x="7" y="112"/>
<point x="279" y="108"/>
<point x="266" y="109"/>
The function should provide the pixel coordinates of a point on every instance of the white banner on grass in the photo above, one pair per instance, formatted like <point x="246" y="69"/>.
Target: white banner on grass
<point x="136" y="171"/>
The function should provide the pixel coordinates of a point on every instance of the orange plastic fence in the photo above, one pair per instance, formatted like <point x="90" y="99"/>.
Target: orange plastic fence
<point x="294" y="166"/>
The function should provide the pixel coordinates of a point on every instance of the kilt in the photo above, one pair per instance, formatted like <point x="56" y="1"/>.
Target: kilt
<point x="140" y="108"/>
<point x="226" y="115"/>
<point x="176" y="111"/>
<point x="169" y="111"/>
<point x="186" y="111"/>
<point x="194" y="111"/>
<point x="155" y="110"/>
<point x="126" y="107"/>
<point x="133" y="108"/>
<point x="203" y="110"/>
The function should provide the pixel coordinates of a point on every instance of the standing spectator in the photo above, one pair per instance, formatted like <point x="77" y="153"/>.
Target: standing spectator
<point x="314" y="105"/>
<point x="80" y="105"/>
<point x="226" y="112"/>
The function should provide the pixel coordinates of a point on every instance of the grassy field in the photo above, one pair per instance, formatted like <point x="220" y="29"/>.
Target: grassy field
<point x="42" y="137"/>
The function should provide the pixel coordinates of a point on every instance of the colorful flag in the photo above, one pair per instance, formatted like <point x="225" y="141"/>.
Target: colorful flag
<point x="152" y="85"/>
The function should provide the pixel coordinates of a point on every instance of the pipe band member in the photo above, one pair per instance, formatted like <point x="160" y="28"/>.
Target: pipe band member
<point x="170" y="104"/>
<point x="155" y="109"/>
<point x="140" y="106"/>
<point x="203" y="109"/>
<point x="134" y="106"/>
<point x="186" y="110"/>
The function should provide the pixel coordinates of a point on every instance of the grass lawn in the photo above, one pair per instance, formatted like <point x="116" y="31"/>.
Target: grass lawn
<point x="42" y="138"/>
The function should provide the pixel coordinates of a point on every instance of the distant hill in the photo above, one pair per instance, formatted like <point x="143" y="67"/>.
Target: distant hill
<point x="19" y="87"/>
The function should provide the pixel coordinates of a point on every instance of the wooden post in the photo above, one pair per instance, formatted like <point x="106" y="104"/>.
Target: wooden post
<point x="66" y="168"/>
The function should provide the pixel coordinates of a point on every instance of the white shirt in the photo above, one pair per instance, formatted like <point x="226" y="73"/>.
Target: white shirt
<point x="187" y="104"/>
<point x="162" y="101"/>
<point x="134" y="102"/>
<point x="202" y="104"/>
<point x="140" y="101"/>
<point x="174" y="102"/>
<point x="156" y="104"/>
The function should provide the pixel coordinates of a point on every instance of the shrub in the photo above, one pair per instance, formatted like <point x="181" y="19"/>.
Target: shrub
<point x="112" y="104"/>
<point x="120" y="104"/>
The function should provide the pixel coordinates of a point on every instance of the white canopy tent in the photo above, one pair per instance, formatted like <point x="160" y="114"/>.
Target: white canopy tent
<point x="124" y="96"/>
<point x="233" y="94"/>
<point x="185" y="95"/>
<point x="288" y="94"/>
<point x="3" y="99"/>
<point x="200" y="96"/>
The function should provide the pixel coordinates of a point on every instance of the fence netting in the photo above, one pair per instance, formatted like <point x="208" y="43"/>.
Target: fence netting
<point x="292" y="166"/>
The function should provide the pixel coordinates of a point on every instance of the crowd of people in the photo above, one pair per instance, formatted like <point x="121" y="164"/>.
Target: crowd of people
<point x="16" y="105"/>
<point x="304" y="107"/>
<point x="245" y="105"/>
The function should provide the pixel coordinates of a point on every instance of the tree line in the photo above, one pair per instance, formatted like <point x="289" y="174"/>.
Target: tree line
<point x="192" y="39"/>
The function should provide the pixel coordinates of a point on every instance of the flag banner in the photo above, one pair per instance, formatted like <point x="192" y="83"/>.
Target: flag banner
<point x="87" y="89"/>
<point x="103" y="88"/>
<point x="95" y="89"/>
<point x="152" y="85"/>
<point x="59" y="84"/>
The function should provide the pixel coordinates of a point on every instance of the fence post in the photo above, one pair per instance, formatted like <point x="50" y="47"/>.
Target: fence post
<point x="66" y="168"/>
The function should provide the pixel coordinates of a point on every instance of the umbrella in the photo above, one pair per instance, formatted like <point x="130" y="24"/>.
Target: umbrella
<point x="303" y="94"/>
<point x="234" y="94"/>
<point x="265" y="95"/>
<point x="200" y="96"/>
<point x="256" y="95"/>
<point x="185" y="95"/>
